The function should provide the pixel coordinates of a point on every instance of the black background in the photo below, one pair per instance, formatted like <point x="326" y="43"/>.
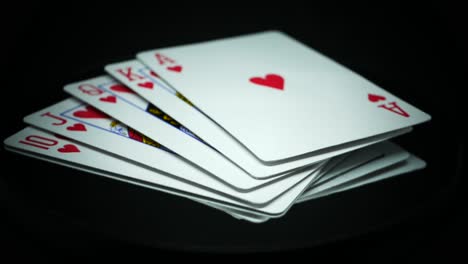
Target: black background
<point x="415" y="51"/>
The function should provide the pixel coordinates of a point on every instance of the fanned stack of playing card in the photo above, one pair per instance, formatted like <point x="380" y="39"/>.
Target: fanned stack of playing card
<point x="249" y="125"/>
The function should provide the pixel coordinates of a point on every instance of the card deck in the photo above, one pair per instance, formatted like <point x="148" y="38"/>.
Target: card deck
<point x="141" y="80"/>
<point x="248" y="125"/>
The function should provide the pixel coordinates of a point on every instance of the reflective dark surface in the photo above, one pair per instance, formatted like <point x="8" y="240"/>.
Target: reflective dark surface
<point x="415" y="52"/>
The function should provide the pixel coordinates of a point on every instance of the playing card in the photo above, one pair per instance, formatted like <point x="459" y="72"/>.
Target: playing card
<point x="41" y="145"/>
<point x="146" y="83"/>
<point x="353" y="160"/>
<point x="83" y="123"/>
<point x="388" y="154"/>
<point x="279" y="98"/>
<point x="412" y="163"/>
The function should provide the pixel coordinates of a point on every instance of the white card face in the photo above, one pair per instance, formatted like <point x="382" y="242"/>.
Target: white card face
<point x="112" y="99"/>
<point x="83" y="123"/>
<point x="43" y="143"/>
<point x="390" y="154"/>
<point x="411" y="164"/>
<point x="276" y="96"/>
<point x="147" y="84"/>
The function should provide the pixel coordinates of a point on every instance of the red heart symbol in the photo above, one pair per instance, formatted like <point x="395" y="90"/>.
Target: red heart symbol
<point x="121" y="88"/>
<point x="148" y="85"/>
<point x="109" y="99"/>
<point x="77" y="127"/>
<point x="270" y="80"/>
<point x="90" y="112"/>
<point x="154" y="74"/>
<point x="375" y="98"/>
<point x="177" y="68"/>
<point x="68" y="148"/>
